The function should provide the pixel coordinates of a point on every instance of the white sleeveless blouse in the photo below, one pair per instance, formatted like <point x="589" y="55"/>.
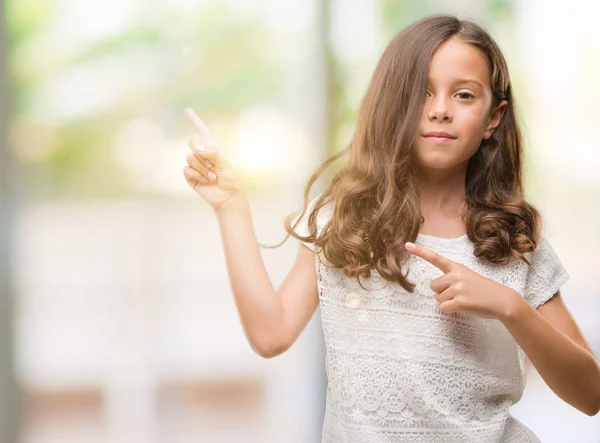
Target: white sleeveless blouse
<point x="401" y="370"/>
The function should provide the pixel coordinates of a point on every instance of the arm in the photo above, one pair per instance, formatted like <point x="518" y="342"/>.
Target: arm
<point x="272" y="320"/>
<point x="553" y="343"/>
<point x="548" y="335"/>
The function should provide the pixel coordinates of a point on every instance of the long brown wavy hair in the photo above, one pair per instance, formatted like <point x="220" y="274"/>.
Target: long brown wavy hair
<point x="374" y="198"/>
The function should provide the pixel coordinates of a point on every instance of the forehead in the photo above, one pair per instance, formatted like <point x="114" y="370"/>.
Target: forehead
<point x="456" y="60"/>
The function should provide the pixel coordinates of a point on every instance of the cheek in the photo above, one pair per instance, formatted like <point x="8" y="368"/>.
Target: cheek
<point x="472" y="123"/>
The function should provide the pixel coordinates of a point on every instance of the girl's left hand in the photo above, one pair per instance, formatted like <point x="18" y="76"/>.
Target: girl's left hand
<point x="461" y="289"/>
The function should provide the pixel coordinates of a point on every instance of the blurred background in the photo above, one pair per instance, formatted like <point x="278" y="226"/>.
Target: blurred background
<point x="116" y="319"/>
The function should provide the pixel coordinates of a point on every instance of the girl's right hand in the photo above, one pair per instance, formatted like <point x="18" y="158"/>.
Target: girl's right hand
<point x="204" y="165"/>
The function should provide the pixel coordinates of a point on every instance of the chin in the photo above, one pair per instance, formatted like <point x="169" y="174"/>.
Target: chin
<point x="438" y="160"/>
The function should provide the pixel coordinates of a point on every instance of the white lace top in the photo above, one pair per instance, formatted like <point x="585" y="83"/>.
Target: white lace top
<point x="401" y="370"/>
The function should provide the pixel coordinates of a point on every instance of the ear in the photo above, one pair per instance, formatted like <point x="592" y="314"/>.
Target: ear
<point x="495" y="118"/>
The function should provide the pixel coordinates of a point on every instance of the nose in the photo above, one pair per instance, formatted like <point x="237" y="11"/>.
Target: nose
<point x="439" y="110"/>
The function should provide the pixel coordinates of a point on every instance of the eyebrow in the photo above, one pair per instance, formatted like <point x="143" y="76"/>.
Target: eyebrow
<point x="461" y="81"/>
<point x="464" y="81"/>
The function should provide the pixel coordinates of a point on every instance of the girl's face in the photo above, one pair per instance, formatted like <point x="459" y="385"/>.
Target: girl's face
<point x="458" y="113"/>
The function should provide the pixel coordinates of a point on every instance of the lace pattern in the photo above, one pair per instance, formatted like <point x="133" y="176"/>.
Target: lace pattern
<point x="400" y="370"/>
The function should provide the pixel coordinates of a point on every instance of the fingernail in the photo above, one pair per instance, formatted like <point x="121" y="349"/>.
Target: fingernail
<point x="200" y="148"/>
<point x="212" y="176"/>
<point x="409" y="245"/>
<point x="208" y="164"/>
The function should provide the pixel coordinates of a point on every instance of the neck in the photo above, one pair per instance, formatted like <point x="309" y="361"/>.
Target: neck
<point x="442" y="188"/>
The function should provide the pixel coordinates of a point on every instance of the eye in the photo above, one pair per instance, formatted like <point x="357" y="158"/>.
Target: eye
<point x="465" y="95"/>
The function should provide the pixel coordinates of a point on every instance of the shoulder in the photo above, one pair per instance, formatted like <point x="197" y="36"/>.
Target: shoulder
<point x="543" y="257"/>
<point x="545" y="275"/>
<point x="324" y="213"/>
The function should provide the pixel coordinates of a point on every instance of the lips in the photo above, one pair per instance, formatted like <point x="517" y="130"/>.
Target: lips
<point x="439" y="135"/>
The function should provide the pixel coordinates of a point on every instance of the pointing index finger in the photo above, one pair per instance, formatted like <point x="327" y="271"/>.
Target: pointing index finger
<point x="200" y="127"/>
<point x="430" y="256"/>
